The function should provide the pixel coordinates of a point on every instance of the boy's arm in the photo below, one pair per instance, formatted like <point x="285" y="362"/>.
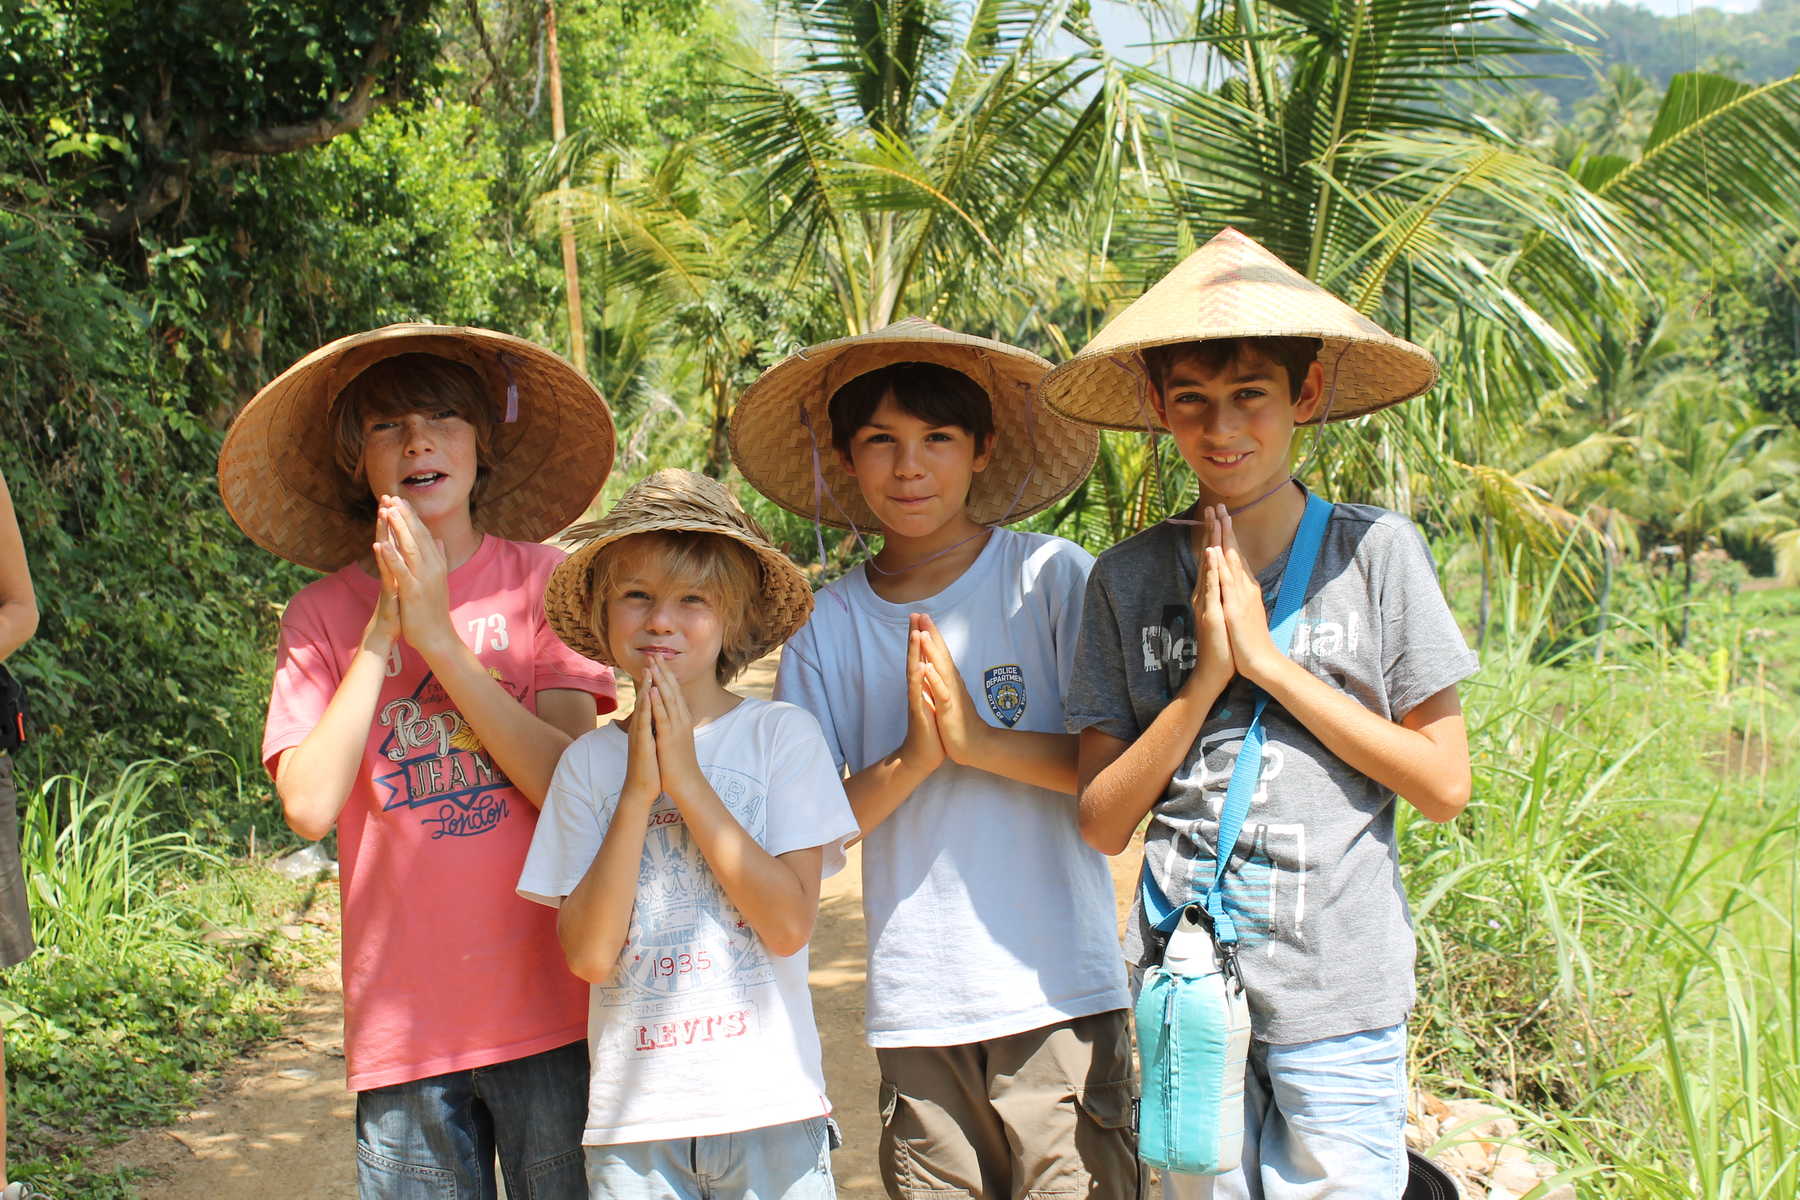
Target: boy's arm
<point x="1424" y="758"/>
<point x="1046" y="760"/>
<point x="18" y="603"/>
<point x="594" y="920"/>
<point x="314" y="778"/>
<point x="883" y="786"/>
<point x="777" y="895"/>
<point x="524" y="745"/>
<point x="1121" y="781"/>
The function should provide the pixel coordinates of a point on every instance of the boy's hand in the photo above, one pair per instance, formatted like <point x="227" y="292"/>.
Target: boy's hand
<point x="924" y="745"/>
<point x="1214" y="664"/>
<point x="421" y="576"/>
<point x="675" y="758"/>
<point x="643" y="777"/>
<point x="959" y="727"/>
<point x="383" y="629"/>
<point x="1240" y="596"/>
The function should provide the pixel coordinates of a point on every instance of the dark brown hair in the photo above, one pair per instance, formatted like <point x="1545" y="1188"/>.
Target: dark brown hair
<point x="935" y="394"/>
<point x="401" y="384"/>
<point x="1292" y="354"/>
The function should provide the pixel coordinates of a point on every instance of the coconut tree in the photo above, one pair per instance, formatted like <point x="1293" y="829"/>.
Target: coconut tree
<point x="912" y="155"/>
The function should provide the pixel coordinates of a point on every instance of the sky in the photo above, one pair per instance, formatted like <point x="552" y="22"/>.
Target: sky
<point x="1122" y="28"/>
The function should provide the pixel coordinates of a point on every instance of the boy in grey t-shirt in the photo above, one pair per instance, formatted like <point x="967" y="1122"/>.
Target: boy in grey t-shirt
<point x="1174" y="648"/>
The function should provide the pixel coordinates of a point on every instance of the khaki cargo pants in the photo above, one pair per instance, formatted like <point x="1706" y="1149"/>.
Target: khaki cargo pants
<point x="1040" y="1115"/>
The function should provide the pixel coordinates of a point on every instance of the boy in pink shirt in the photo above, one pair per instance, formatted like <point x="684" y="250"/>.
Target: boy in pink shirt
<point x="419" y="707"/>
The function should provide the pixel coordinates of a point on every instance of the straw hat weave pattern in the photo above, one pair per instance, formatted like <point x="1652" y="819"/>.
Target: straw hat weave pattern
<point x="1234" y="288"/>
<point x="782" y="425"/>
<point x="278" y="471"/>
<point x="673" y="499"/>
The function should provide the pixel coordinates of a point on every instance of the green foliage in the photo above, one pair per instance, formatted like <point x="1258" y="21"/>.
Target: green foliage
<point x="1606" y="936"/>
<point x="134" y="105"/>
<point x="153" y="639"/>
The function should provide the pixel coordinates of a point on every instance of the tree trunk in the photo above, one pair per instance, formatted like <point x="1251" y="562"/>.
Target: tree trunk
<point x="1487" y="584"/>
<point x="1606" y="582"/>
<point x="571" y="266"/>
<point x="1687" y="588"/>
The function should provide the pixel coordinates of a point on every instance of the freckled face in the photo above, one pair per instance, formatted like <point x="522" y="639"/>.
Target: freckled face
<point x="1235" y="426"/>
<point x="651" y="614"/>
<point x="427" y="458"/>
<point x="913" y="474"/>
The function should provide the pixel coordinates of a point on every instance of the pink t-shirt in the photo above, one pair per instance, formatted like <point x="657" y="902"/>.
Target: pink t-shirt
<point x="446" y="967"/>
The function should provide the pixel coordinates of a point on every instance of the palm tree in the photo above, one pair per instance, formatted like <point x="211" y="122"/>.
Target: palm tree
<point x="910" y="155"/>
<point x="1708" y="464"/>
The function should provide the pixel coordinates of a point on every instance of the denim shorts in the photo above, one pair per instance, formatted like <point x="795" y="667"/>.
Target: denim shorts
<point x="1321" y="1119"/>
<point x="437" y="1138"/>
<point x="776" y="1162"/>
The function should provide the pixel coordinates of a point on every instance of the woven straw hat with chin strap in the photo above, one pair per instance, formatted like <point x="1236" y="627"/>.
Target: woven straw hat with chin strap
<point x="552" y="443"/>
<point x="673" y="499"/>
<point x="1233" y="288"/>
<point x="781" y="426"/>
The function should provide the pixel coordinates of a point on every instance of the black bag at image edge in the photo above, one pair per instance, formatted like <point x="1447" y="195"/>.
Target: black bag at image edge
<point x="12" y="712"/>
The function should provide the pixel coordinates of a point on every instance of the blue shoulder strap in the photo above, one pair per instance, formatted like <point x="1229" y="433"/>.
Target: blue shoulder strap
<point x="1295" y="576"/>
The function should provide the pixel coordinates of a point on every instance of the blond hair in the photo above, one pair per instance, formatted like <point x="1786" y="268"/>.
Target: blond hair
<point x="722" y="568"/>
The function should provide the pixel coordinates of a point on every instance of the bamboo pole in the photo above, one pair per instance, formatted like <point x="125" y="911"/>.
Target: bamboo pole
<point x="571" y="268"/>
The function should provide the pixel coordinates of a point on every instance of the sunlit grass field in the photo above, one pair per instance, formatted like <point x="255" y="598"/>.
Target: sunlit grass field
<point x="1607" y="937"/>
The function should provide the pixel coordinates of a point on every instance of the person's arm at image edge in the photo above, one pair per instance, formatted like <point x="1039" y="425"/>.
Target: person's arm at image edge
<point x="18" y="602"/>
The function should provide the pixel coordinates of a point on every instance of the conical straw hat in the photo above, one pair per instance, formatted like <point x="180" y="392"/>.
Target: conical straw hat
<point x="675" y="499"/>
<point x="1233" y="288"/>
<point x="781" y="425"/>
<point x="278" y="470"/>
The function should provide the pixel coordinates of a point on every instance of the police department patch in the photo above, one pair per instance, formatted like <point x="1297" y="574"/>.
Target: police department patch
<point x="1006" y="693"/>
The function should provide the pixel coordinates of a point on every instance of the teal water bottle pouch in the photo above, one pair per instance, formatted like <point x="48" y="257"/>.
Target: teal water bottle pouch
<point x="1193" y="1038"/>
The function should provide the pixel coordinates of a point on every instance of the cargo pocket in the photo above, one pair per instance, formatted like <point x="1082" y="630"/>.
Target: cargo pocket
<point x="906" y="1151"/>
<point x="1107" y="1140"/>
<point x="1107" y="1104"/>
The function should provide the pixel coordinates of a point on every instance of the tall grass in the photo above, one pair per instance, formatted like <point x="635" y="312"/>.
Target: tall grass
<point x="1608" y="936"/>
<point x="94" y="864"/>
<point x="128" y="1003"/>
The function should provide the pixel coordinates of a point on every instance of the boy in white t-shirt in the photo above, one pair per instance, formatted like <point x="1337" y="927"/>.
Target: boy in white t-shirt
<point x="684" y="852"/>
<point x="996" y="994"/>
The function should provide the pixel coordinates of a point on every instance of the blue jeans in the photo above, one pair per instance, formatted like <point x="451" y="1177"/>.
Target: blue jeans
<point x="436" y="1138"/>
<point x="776" y="1162"/>
<point x="1321" y="1119"/>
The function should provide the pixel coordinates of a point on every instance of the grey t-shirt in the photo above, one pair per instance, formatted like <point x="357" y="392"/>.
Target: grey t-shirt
<point x="1314" y="883"/>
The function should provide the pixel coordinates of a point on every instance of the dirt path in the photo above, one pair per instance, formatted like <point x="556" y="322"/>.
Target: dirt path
<point x="282" y="1118"/>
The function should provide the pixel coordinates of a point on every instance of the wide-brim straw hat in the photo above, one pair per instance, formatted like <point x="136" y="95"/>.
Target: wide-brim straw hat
<point x="278" y="469"/>
<point x="781" y="426"/>
<point x="674" y="499"/>
<point x="1233" y="288"/>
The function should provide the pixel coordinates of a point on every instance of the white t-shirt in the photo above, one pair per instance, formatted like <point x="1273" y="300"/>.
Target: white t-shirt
<point x="702" y="1030"/>
<point x="987" y="914"/>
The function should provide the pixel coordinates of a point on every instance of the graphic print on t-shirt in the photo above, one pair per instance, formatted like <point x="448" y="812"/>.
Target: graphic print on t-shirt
<point x="690" y="959"/>
<point x="442" y="771"/>
<point x="1267" y="883"/>
<point x="1005" y="693"/>
<point x="1266" y="888"/>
